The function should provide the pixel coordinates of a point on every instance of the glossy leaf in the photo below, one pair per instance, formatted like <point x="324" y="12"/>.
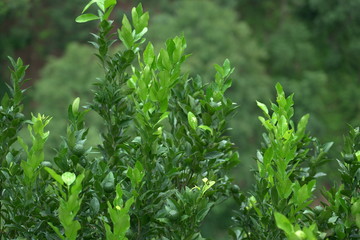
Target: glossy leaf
<point x="86" y="18"/>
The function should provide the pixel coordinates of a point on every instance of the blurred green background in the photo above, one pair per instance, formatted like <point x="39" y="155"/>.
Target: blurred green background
<point x="312" y="47"/>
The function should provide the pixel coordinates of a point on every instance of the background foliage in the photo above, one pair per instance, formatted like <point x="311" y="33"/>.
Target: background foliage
<point x="60" y="80"/>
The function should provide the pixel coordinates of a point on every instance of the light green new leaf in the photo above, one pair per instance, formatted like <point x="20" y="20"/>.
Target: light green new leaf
<point x="68" y="178"/>
<point x="207" y="184"/>
<point x="126" y="24"/>
<point x="166" y="62"/>
<point x="75" y="105"/>
<point x="193" y="122"/>
<point x="139" y="18"/>
<point x="279" y="90"/>
<point x="268" y="156"/>
<point x="100" y="4"/>
<point x="227" y="68"/>
<point x="219" y="69"/>
<point x="126" y="37"/>
<point x="144" y="19"/>
<point x="282" y="126"/>
<point x="109" y="3"/>
<point x="135" y="175"/>
<point x="107" y="13"/>
<point x="135" y="19"/>
<point x="88" y="5"/>
<point x="301" y="127"/>
<point x="86" y="18"/>
<point x="263" y="107"/>
<point x="148" y="54"/>
<point x="283" y="223"/>
<point x="266" y="123"/>
<point x="162" y="117"/>
<point x="203" y="127"/>
<point x="56" y="230"/>
<point x="309" y="231"/>
<point x="54" y="175"/>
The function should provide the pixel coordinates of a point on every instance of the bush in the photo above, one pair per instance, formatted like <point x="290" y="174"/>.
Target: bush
<point x="288" y="167"/>
<point x="163" y="160"/>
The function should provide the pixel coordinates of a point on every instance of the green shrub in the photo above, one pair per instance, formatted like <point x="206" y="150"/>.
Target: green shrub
<point x="163" y="159"/>
<point x="279" y="206"/>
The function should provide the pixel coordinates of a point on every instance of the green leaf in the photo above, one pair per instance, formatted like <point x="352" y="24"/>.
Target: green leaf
<point x="94" y="205"/>
<point x="333" y="219"/>
<point x="75" y="105"/>
<point x="140" y="19"/>
<point x="54" y="175"/>
<point x="144" y="19"/>
<point x="86" y="18"/>
<point x="165" y="59"/>
<point x="68" y="178"/>
<point x="263" y="107"/>
<point x="309" y="231"/>
<point x="109" y="181"/>
<point x="279" y="90"/>
<point x="266" y="123"/>
<point x="284" y="185"/>
<point x="357" y="154"/>
<point x="327" y="146"/>
<point x="126" y="37"/>
<point x="126" y="24"/>
<point x="164" y="105"/>
<point x="135" y="19"/>
<point x="88" y="5"/>
<point x="162" y="117"/>
<point x="283" y="223"/>
<point x="193" y="122"/>
<point x="5" y="100"/>
<point x="107" y="13"/>
<point x="214" y="155"/>
<point x="109" y="3"/>
<point x="227" y="67"/>
<point x="109" y="235"/>
<point x="56" y="230"/>
<point x="139" y="9"/>
<point x="23" y="145"/>
<point x="219" y="69"/>
<point x="148" y="54"/>
<point x="302" y="194"/>
<point x="207" y="184"/>
<point x="180" y="45"/>
<point x="76" y="189"/>
<point x="268" y="156"/>
<point x="134" y="175"/>
<point x="301" y="127"/>
<point x="203" y="127"/>
<point x="100" y="4"/>
<point x="282" y="126"/>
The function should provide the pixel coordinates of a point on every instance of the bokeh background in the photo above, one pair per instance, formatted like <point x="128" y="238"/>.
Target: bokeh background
<point x="312" y="47"/>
